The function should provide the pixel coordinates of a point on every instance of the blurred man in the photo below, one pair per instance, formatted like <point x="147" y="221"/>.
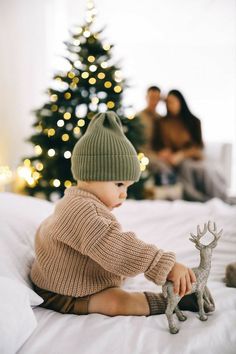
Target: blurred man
<point x="149" y="116"/>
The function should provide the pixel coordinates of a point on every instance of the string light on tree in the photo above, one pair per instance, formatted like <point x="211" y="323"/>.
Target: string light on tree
<point x="65" y="137"/>
<point x="81" y="122"/>
<point x="51" y="152"/>
<point x="101" y="76"/>
<point x="54" y="98"/>
<point x="93" y="68"/>
<point x="67" y="154"/>
<point x="67" y="184"/>
<point x="51" y="132"/>
<point x="38" y="150"/>
<point x="67" y="95"/>
<point x="85" y="75"/>
<point x="39" y="166"/>
<point x="56" y="183"/>
<point x="104" y="64"/>
<point x="91" y="58"/>
<point x="60" y="123"/>
<point x="67" y="115"/>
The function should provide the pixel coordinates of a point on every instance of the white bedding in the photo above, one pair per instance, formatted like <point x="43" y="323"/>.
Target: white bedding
<point x="168" y="225"/>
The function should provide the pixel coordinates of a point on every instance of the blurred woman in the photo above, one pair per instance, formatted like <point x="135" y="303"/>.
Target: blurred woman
<point x="179" y="148"/>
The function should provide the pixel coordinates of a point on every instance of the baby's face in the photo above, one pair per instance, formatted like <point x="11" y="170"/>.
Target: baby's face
<point x="111" y="193"/>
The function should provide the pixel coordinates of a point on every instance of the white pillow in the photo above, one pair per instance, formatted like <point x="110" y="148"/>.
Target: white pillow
<point x="20" y="217"/>
<point x="17" y="320"/>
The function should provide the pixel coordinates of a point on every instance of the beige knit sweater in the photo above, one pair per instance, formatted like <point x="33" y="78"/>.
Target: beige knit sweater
<point x="81" y="249"/>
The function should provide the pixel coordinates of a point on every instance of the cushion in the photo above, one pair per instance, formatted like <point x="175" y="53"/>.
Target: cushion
<point x="19" y="220"/>
<point x="17" y="320"/>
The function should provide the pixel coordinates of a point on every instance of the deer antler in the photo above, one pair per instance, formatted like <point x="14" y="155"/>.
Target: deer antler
<point x="200" y="234"/>
<point x="213" y="231"/>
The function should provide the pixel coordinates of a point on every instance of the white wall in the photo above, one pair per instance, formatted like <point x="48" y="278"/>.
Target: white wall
<point x="184" y="44"/>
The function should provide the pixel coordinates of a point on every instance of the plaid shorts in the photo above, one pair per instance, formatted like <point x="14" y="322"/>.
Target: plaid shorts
<point x="63" y="303"/>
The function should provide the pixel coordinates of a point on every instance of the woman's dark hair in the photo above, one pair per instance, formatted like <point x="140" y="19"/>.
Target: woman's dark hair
<point x="191" y="122"/>
<point x="185" y="112"/>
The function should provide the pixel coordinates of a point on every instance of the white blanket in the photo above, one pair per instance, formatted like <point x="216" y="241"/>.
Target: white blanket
<point x="167" y="224"/>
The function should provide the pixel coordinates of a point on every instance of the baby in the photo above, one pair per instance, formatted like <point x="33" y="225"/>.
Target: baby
<point x="83" y="255"/>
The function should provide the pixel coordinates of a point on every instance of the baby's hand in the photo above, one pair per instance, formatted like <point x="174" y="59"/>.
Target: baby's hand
<point x="182" y="278"/>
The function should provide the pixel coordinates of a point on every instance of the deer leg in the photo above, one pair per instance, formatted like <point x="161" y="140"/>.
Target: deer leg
<point x="170" y="315"/>
<point x="203" y="316"/>
<point x="180" y="314"/>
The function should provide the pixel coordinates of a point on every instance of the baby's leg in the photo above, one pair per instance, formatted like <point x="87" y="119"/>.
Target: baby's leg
<point x="115" y="302"/>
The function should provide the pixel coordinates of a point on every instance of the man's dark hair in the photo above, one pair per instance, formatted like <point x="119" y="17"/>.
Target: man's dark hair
<point x="153" y="88"/>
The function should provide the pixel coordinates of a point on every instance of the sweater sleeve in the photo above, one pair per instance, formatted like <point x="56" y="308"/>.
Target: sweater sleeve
<point x="122" y="253"/>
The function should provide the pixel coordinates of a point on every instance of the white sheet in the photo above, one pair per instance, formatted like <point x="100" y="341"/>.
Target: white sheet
<point x="166" y="224"/>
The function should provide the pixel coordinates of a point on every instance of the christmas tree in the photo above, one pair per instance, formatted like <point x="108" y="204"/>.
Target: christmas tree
<point x="91" y="84"/>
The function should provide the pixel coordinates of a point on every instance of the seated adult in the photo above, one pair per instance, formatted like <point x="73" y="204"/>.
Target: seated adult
<point x="148" y="117"/>
<point x="178" y="146"/>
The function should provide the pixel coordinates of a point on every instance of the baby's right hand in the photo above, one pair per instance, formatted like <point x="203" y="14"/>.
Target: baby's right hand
<point x="182" y="278"/>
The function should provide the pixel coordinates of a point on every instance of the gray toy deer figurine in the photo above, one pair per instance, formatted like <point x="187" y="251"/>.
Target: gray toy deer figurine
<point x="201" y="272"/>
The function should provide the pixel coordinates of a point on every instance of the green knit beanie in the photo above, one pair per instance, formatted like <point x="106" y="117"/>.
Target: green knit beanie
<point x="104" y="153"/>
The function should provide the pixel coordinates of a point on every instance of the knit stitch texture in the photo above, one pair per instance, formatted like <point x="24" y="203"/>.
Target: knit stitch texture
<point x="81" y="249"/>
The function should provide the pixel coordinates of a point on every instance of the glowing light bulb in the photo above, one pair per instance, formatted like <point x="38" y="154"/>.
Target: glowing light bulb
<point x="102" y="107"/>
<point x="71" y="75"/>
<point x="60" y="123"/>
<point x="81" y="122"/>
<point x="67" y="154"/>
<point x="67" y="184"/>
<point x="27" y="163"/>
<point x="56" y="183"/>
<point x="104" y="65"/>
<point x="36" y="175"/>
<point x="85" y="75"/>
<point x="38" y="150"/>
<point x="78" y="64"/>
<point x="75" y="80"/>
<point x="76" y="131"/>
<point x="67" y="115"/>
<point x="92" y="81"/>
<point x="87" y="33"/>
<point x="106" y="46"/>
<point x="54" y="98"/>
<point x="95" y="100"/>
<point x="73" y="86"/>
<point x="91" y="58"/>
<point x="118" y="76"/>
<point x="145" y="161"/>
<point x="51" y="152"/>
<point x="65" y="137"/>
<point x="67" y="95"/>
<point x="93" y="68"/>
<point x="39" y="128"/>
<point x="101" y="76"/>
<point x="107" y="84"/>
<point x="110" y="104"/>
<point x="39" y="166"/>
<point x="51" y="132"/>
<point x="140" y="155"/>
<point x="78" y="30"/>
<point x="117" y="88"/>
